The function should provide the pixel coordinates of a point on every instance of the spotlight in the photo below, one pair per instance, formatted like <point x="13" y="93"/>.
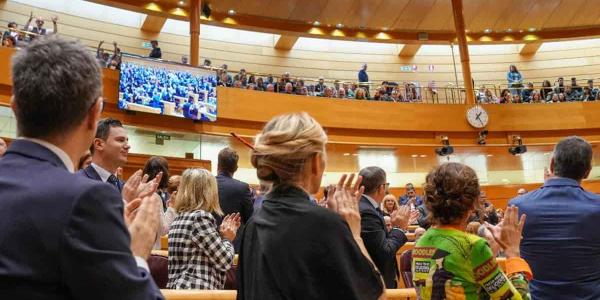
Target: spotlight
<point x="519" y="148"/>
<point x="446" y="149"/>
<point x="482" y="136"/>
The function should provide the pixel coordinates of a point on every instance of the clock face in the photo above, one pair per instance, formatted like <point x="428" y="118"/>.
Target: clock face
<point x="477" y="117"/>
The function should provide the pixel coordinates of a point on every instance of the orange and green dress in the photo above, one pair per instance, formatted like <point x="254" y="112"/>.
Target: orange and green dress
<point x="451" y="264"/>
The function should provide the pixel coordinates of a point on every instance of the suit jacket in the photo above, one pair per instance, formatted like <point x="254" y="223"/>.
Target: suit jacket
<point x="381" y="245"/>
<point x="91" y="173"/>
<point x="62" y="236"/>
<point x="234" y="197"/>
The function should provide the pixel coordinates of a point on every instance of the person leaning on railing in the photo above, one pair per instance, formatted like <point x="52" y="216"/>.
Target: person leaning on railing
<point x="447" y="262"/>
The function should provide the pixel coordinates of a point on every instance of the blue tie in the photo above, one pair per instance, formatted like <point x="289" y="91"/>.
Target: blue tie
<point x="112" y="179"/>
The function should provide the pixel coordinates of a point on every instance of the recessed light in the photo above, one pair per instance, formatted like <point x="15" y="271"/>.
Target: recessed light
<point x="316" y="23"/>
<point x="346" y="154"/>
<point x="414" y="155"/>
<point x="384" y="29"/>
<point x="354" y="154"/>
<point x="181" y="2"/>
<point x="487" y="30"/>
<point x="531" y="29"/>
<point x="467" y="30"/>
<point x="521" y="31"/>
<point x="490" y="155"/>
<point x="423" y="155"/>
<point x="339" y="25"/>
<point x="509" y="30"/>
<point x="231" y="12"/>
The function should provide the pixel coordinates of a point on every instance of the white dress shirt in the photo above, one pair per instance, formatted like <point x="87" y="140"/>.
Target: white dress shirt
<point x="104" y="174"/>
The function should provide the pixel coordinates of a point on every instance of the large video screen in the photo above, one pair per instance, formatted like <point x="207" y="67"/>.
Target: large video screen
<point x="168" y="89"/>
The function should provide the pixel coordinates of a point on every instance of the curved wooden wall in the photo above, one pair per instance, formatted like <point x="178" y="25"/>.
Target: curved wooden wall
<point x="584" y="61"/>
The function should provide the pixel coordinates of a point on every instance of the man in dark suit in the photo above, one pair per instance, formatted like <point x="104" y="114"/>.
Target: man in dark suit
<point x="64" y="236"/>
<point x="234" y="195"/>
<point x="109" y="152"/>
<point x="381" y="244"/>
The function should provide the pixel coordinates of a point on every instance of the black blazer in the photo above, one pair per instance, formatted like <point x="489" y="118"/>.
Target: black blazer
<point x="381" y="245"/>
<point x="234" y="197"/>
<point x="91" y="173"/>
<point x="62" y="236"/>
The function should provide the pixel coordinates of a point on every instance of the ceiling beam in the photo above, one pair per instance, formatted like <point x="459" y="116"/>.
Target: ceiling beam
<point x="408" y="50"/>
<point x="153" y="23"/>
<point x="285" y="42"/>
<point x="529" y="48"/>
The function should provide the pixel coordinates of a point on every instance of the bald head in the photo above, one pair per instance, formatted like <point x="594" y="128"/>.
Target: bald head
<point x="522" y="191"/>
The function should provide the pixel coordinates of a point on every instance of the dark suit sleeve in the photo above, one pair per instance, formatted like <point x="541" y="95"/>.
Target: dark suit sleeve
<point x="95" y="255"/>
<point x="376" y="239"/>
<point x="246" y="203"/>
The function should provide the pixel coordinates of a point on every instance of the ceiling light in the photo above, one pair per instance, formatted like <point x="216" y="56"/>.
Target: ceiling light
<point x="467" y="30"/>
<point x="423" y="155"/>
<point x="231" y="12"/>
<point x="509" y="30"/>
<point x="346" y="154"/>
<point x="354" y="154"/>
<point x="414" y="155"/>
<point x="339" y="25"/>
<point x="531" y="29"/>
<point x="181" y="2"/>
<point x="487" y="30"/>
<point x="384" y="29"/>
<point x="490" y="155"/>
<point x="316" y="23"/>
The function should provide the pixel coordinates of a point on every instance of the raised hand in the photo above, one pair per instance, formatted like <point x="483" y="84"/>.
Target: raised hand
<point x="414" y="217"/>
<point x="144" y="224"/>
<point x="138" y="186"/>
<point x="31" y="15"/>
<point x="401" y="217"/>
<point x="229" y="226"/>
<point x="54" y="19"/>
<point x="344" y="201"/>
<point x="509" y="232"/>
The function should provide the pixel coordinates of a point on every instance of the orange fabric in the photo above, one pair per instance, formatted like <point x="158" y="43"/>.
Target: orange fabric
<point x="518" y="265"/>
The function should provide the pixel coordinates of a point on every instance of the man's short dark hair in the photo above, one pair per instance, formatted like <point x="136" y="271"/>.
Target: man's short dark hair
<point x="55" y="83"/>
<point x="228" y="160"/>
<point x="572" y="158"/>
<point x="372" y="178"/>
<point x="103" y="129"/>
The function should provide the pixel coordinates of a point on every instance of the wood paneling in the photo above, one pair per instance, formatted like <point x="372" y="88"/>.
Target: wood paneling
<point x="285" y="42"/>
<point x="153" y="23"/>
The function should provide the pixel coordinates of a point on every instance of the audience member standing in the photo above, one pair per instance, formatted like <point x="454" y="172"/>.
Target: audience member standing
<point x="200" y="252"/>
<point x="381" y="245"/>
<point x="447" y="262"/>
<point x="155" y="53"/>
<point x="292" y="248"/>
<point x="64" y="236"/>
<point x="3" y="147"/>
<point x="234" y="195"/>
<point x="515" y="80"/>
<point x="560" y="238"/>
<point x="363" y="77"/>
<point x="39" y="29"/>
<point x="109" y="152"/>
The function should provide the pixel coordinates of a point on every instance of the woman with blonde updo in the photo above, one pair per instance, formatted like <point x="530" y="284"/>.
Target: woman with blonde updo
<point x="449" y="263"/>
<point x="292" y="248"/>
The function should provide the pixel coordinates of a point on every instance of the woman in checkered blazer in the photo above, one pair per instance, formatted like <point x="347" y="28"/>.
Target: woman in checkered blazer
<point x="200" y="253"/>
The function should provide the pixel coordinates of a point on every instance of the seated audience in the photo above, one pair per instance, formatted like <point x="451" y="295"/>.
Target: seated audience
<point x="560" y="240"/>
<point x="320" y="86"/>
<point x="388" y="223"/>
<point x="527" y="92"/>
<point x="389" y="205"/>
<point x="341" y="93"/>
<point x="546" y="90"/>
<point x="553" y="98"/>
<point x="560" y="86"/>
<point x="200" y="252"/>
<point x="382" y="245"/>
<point x="70" y="237"/>
<point x="587" y="95"/>
<point x="489" y="97"/>
<point x="562" y="97"/>
<point x="571" y="94"/>
<point x="360" y="94"/>
<point x="574" y="86"/>
<point x="319" y="242"/>
<point x="155" y="53"/>
<point x="410" y="197"/>
<point x="39" y="29"/>
<point x="593" y="90"/>
<point x="3" y="147"/>
<point x="505" y="97"/>
<point x="449" y="263"/>
<point x="536" y="97"/>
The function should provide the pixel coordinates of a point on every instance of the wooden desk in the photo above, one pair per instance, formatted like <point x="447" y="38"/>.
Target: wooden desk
<point x="391" y="294"/>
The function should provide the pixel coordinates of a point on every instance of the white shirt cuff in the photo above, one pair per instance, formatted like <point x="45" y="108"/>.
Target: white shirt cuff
<point x="142" y="263"/>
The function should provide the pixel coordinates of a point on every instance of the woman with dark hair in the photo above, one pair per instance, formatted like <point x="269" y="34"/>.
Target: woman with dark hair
<point x="85" y="161"/>
<point x="449" y="263"/>
<point x="505" y="97"/>
<point x="153" y="166"/>
<point x="546" y="90"/>
<point x="515" y="80"/>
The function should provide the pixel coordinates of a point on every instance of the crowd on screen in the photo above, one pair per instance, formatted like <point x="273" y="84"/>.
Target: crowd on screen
<point x="151" y="85"/>
<point x="73" y="228"/>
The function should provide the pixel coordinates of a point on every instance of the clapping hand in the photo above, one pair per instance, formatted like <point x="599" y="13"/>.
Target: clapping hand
<point x="230" y="225"/>
<point x="401" y="217"/>
<point x="414" y="217"/>
<point x="138" y="186"/>
<point x="344" y="201"/>
<point x="142" y="216"/>
<point x="508" y="233"/>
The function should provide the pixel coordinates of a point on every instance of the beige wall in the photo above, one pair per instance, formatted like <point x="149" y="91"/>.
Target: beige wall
<point x="582" y="60"/>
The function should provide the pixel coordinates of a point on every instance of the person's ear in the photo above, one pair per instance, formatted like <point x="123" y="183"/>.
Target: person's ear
<point x="552" y="166"/>
<point x="13" y="105"/>
<point x="93" y="115"/>
<point x="587" y="173"/>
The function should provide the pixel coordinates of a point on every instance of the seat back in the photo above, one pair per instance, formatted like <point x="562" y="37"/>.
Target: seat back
<point x="159" y="268"/>
<point x="405" y="268"/>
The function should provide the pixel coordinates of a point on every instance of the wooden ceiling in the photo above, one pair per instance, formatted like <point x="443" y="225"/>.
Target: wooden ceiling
<point x="422" y="15"/>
